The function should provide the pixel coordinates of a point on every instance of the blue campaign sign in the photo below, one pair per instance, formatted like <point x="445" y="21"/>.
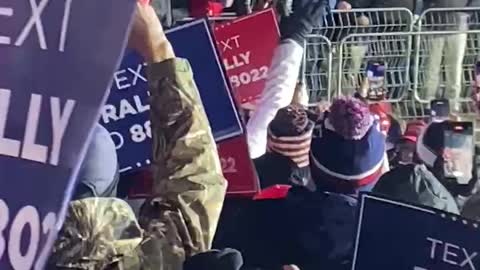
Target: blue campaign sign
<point x="194" y="41"/>
<point x="397" y="236"/>
<point x="126" y="114"/>
<point x="56" y="64"/>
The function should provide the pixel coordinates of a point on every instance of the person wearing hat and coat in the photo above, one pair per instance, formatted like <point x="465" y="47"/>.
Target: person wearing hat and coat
<point x="179" y="220"/>
<point x="419" y="179"/>
<point x="314" y="228"/>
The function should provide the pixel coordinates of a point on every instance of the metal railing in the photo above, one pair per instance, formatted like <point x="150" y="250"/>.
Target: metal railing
<point x="393" y="49"/>
<point x="432" y="55"/>
<point x="324" y="55"/>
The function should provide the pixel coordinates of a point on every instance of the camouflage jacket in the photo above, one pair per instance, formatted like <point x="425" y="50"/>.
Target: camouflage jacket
<point x="189" y="187"/>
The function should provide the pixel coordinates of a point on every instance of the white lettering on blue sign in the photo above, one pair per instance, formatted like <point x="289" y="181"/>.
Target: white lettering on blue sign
<point x="35" y="20"/>
<point x="30" y="149"/>
<point x="122" y="81"/>
<point x="125" y="108"/>
<point x="7" y="12"/>
<point x="27" y="217"/>
<point x="450" y="254"/>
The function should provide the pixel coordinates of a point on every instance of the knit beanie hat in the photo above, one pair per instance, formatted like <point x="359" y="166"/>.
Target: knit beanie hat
<point x="349" y="155"/>
<point x="290" y="135"/>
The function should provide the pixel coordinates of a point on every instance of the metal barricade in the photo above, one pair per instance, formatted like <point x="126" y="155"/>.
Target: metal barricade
<point x="322" y="50"/>
<point x="446" y="54"/>
<point x="317" y="71"/>
<point x="211" y="19"/>
<point x="404" y="68"/>
<point x="393" y="49"/>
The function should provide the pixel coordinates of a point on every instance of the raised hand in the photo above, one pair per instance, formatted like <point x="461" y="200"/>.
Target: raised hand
<point x="307" y="14"/>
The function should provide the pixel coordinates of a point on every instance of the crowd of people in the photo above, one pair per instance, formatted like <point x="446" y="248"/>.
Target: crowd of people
<point x="312" y="164"/>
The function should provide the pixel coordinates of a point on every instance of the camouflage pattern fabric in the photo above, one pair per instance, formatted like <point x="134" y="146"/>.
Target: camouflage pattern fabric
<point x="189" y="186"/>
<point x="98" y="233"/>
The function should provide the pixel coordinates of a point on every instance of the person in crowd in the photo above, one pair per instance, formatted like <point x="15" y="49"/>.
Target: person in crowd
<point x="283" y="73"/>
<point x="244" y="7"/>
<point x="393" y="136"/>
<point x="180" y="219"/>
<point x="339" y="21"/>
<point x="409" y="4"/>
<point x="350" y="153"/>
<point x="389" y="126"/>
<point x="431" y="150"/>
<point x="404" y="147"/>
<point x="445" y="51"/>
<point x="423" y="182"/>
<point x="288" y="146"/>
<point x="471" y="208"/>
<point x="211" y="8"/>
<point x="314" y="229"/>
<point x="287" y="130"/>
<point x="99" y="174"/>
<point x="380" y="113"/>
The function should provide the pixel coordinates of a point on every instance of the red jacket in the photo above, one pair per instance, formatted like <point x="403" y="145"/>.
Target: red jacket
<point x="202" y="8"/>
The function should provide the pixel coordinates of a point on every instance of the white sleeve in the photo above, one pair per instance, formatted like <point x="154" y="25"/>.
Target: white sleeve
<point x="278" y="93"/>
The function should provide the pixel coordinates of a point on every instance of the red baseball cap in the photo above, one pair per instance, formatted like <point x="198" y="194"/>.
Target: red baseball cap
<point x="413" y="130"/>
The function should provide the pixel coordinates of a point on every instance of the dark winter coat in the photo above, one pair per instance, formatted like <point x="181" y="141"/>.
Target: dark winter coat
<point x="314" y="230"/>
<point x="275" y="169"/>
<point x="415" y="184"/>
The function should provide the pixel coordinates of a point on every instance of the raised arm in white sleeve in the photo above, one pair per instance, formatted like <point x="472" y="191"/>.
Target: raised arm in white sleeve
<point x="278" y="93"/>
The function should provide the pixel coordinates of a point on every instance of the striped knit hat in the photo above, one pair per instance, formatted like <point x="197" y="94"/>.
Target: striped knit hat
<point x="290" y="135"/>
<point x="349" y="155"/>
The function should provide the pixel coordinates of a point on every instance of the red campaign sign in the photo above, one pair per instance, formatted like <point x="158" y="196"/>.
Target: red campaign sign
<point x="247" y="46"/>
<point x="238" y="167"/>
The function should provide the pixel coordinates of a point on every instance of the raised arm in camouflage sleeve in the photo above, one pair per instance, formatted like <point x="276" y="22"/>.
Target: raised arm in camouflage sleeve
<point x="189" y="185"/>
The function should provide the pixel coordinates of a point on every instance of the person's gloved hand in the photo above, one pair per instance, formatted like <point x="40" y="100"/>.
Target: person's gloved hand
<point x="306" y="15"/>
